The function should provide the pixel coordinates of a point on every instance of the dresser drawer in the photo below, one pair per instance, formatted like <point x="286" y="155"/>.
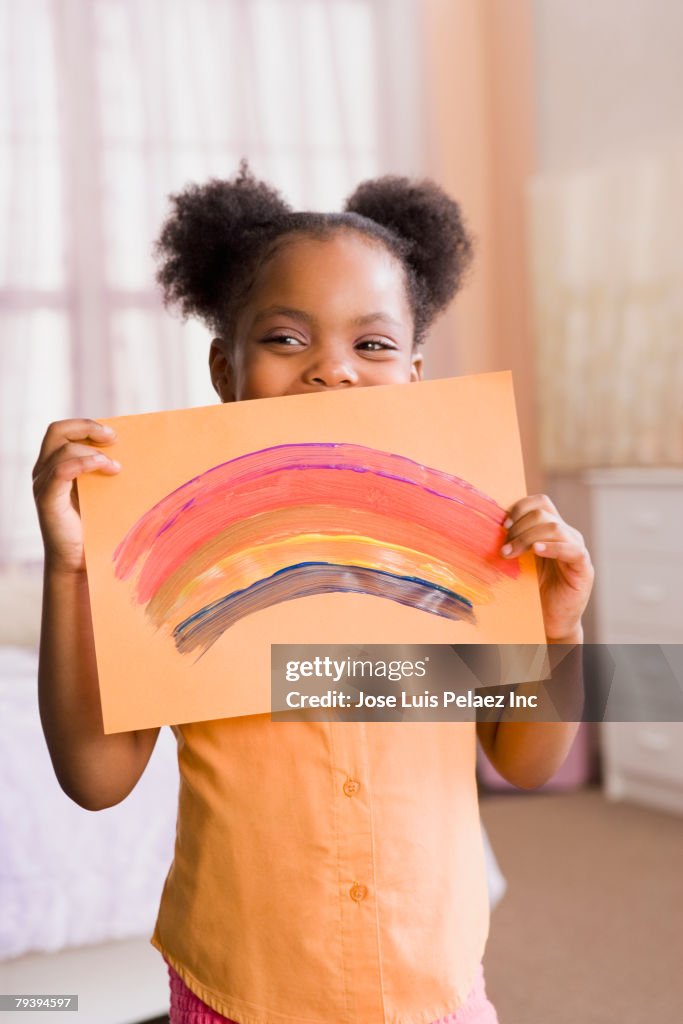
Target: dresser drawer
<point x="615" y="631"/>
<point x="645" y="750"/>
<point x="639" y="598"/>
<point x="641" y="682"/>
<point x="638" y="518"/>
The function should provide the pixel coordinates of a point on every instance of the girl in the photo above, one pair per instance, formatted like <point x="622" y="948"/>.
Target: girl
<point x="323" y="872"/>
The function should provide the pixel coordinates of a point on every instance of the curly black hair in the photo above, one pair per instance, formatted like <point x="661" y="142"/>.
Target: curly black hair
<point x="219" y="234"/>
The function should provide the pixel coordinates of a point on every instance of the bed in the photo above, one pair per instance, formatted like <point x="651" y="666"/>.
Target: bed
<point x="79" y="890"/>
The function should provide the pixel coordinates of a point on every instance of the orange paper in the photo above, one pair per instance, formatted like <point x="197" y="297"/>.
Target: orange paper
<point x="372" y="516"/>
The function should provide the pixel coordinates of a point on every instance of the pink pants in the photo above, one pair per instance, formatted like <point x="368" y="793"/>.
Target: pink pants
<point x="187" y="1008"/>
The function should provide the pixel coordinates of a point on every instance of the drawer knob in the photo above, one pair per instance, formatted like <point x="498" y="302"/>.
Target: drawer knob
<point x="647" y="520"/>
<point x="650" y="593"/>
<point x="653" y="741"/>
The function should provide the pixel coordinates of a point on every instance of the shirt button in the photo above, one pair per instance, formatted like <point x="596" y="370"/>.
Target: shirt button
<point x="351" y="786"/>
<point x="358" y="892"/>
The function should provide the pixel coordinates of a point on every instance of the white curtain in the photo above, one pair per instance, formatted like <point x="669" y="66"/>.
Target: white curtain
<point x="607" y="265"/>
<point x="106" y="106"/>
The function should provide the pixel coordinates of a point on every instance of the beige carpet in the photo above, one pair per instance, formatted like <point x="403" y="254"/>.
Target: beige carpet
<point x="590" y="930"/>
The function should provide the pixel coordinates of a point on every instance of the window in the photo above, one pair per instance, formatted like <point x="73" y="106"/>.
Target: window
<point x="106" y="106"/>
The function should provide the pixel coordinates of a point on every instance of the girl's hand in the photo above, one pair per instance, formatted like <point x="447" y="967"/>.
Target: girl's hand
<point x="565" y="571"/>
<point x="66" y="452"/>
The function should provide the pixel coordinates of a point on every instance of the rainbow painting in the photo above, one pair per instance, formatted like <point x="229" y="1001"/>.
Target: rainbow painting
<point x="298" y="520"/>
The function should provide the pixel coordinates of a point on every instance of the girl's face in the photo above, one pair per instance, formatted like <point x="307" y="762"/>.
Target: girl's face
<point x="322" y="315"/>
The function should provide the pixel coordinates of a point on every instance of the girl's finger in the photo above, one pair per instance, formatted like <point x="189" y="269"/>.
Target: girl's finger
<point x="533" y="518"/>
<point x="69" y="450"/>
<point x="545" y="532"/>
<point x="61" y="432"/>
<point x="532" y="503"/>
<point x="573" y="555"/>
<point x="548" y="529"/>
<point x="59" y="477"/>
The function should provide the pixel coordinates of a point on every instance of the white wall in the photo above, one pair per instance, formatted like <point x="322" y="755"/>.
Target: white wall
<point x="609" y="80"/>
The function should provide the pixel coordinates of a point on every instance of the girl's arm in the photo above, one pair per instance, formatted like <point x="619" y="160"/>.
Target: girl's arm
<point x="94" y="769"/>
<point x="528" y="753"/>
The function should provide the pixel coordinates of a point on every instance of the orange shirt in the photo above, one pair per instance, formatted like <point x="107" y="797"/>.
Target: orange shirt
<point x="326" y="872"/>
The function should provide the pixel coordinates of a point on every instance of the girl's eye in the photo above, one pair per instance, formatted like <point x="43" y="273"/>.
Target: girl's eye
<point x="286" y="340"/>
<point x="374" y="345"/>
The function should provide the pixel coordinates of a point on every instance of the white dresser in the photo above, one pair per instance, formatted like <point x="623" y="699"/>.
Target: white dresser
<point x="633" y="523"/>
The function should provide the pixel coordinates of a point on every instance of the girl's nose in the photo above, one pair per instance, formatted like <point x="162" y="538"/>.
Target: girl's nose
<point x="330" y="371"/>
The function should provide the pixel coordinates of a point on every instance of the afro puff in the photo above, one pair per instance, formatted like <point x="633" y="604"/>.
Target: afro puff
<point x="439" y="248"/>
